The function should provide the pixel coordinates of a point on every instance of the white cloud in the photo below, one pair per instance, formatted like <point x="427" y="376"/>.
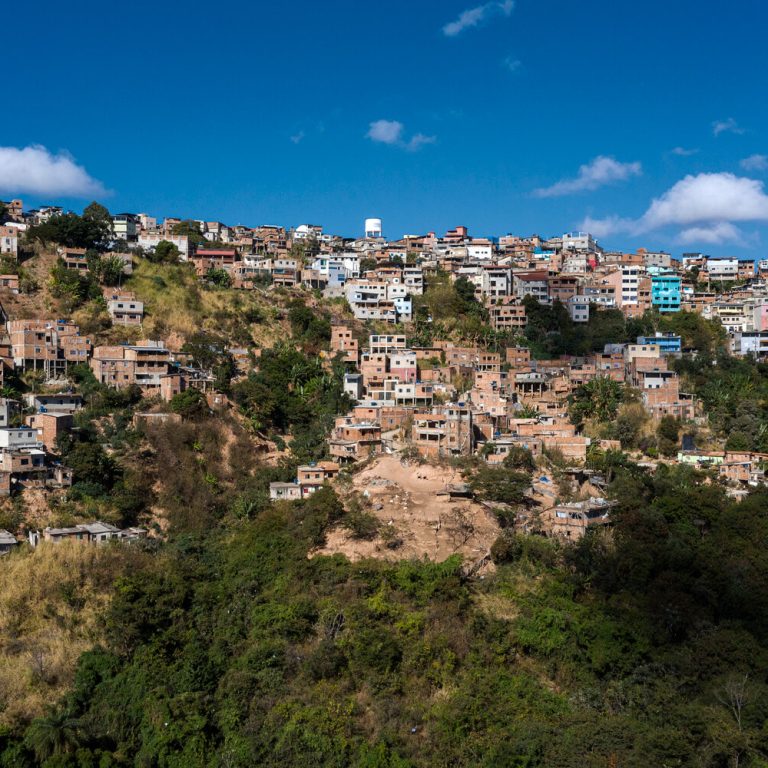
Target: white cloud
<point x="512" y="64"/>
<point x="297" y="138"/>
<point x="683" y="152"/>
<point x="601" y="171"/>
<point x="714" y="234"/>
<point x="34" y="170"/>
<point x="755" y="163"/>
<point x="708" y="197"/>
<point x="385" y="131"/>
<point x="473" y="17"/>
<point x="705" y="206"/>
<point x="392" y="132"/>
<point x="726" y="126"/>
<point x="418" y="140"/>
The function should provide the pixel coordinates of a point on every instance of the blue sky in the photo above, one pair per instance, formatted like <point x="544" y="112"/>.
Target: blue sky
<point x="532" y="116"/>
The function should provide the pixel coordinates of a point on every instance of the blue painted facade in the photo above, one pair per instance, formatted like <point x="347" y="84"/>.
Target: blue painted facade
<point x="668" y="343"/>
<point x="666" y="292"/>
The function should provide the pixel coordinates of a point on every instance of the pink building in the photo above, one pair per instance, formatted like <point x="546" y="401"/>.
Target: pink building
<point x="402" y="366"/>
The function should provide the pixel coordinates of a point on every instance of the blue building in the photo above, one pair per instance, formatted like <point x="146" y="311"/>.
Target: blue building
<point x="666" y="292"/>
<point x="668" y="343"/>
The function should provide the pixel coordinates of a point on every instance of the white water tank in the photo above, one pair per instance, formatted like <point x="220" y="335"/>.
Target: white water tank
<point x="373" y="227"/>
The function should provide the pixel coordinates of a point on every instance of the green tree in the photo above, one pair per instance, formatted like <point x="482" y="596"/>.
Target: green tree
<point x="164" y="252"/>
<point x="218" y="277"/>
<point x="190" y="403"/>
<point x="100" y="220"/>
<point x="311" y="328"/>
<point x="92" y="467"/>
<point x="500" y="484"/>
<point x="111" y="270"/>
<point x="210" y="353"/>
<point x="629" y="423"/>
<point x="596" y="399"/>
<point x="190" y="229"/>
<point x="668" y="433"/>
<point x="520" y="459"/>
<point x="71" y="287"/>
<point x="70" y="231"/>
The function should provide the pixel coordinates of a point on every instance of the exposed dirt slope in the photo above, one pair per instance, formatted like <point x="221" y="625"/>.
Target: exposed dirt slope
<point x="411" y="500"/>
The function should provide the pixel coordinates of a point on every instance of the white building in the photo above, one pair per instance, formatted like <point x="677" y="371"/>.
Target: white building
<point x="496" y="281"/>
<point x="480" y="250"/>
<point x="579" y="241"/>
<point x="723" y="268"/>
<point x="353" y="385"/>
<point x="13" y="438"/>
<point x="413" y="278"/>
<point x="404" y="309"/>
<point x="125" y="226"/>
<point x="630" y="284"/>
<point x="750" y="342"/>
<point x="150" y="240"/>
<point x="308" y="232"/>
<point x="578" y="308"/>
<point x="146" y="221"/>
<point x="9" y="241"/>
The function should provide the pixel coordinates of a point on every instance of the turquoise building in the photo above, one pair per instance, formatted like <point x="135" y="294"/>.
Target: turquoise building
<point x="666" y="292"/>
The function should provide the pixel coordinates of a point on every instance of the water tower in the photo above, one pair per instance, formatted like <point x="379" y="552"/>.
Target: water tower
<point x="373" y="227"/>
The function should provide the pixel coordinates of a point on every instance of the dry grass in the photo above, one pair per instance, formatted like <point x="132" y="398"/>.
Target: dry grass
<point x="497" y="606"/>
<point x="177" y="305"/>
<point x="39" y="303"/>
<point x="52" y="600"/>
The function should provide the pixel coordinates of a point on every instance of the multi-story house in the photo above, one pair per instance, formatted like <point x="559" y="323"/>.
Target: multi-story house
<point x="750" y="343"/>
<point x="626" y="284"/>
<point x="123" y="307"/>
<point x="579" y="241"/>
<point x="47" y="345"/>
<point x="495" y="281"/>
<point x="666" y="292"/>
<point x="578" y="309"/>
<point x="353" y="440"/>
<point x="143" y="364"/>
<point x="507" y="313"/>
<point x="722" y="268"/>
<point x="125" y="226"/>
<point x="9" y="241"/>
<point x="534" y="284"/>
<point x="563" y="287"/>
<point x="667" y="343"/>
<point x="342" y="341"/>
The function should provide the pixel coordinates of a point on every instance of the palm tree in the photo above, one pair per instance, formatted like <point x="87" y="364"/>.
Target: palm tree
<point x="598" y="398"/>
<point x="55" y="733"/>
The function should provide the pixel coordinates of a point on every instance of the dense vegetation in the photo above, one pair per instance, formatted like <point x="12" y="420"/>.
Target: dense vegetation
<point x="734" y="395"/>
<point x="232" y="648"/>
<point x="294" y="392"/>
<point x="551" y="332"/>
<point x="91" y="230"/>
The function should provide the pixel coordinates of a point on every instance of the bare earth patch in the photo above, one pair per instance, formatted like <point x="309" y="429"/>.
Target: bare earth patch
<point x="423" y="521"/>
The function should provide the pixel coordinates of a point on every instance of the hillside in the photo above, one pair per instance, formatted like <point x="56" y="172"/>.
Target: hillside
<point x="52" y="605"/>
<point x="405" y="610"/>
<point x="177" y="305"/>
